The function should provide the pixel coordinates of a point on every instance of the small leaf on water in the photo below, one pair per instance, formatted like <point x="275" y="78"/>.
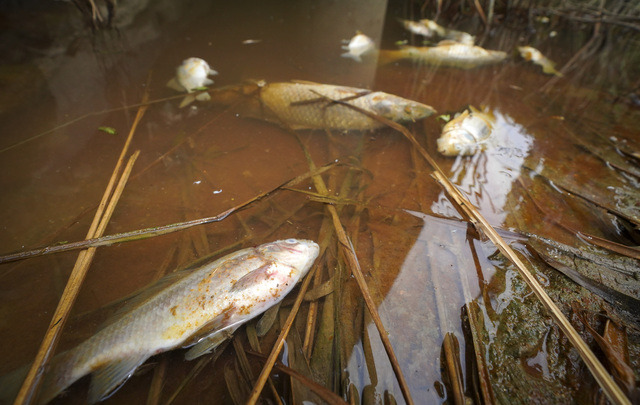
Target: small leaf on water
<point x="445" y="117"/>
<point x="201" y="88"/>
<point x="109" y="130"/>
<point x="401" y="42"/>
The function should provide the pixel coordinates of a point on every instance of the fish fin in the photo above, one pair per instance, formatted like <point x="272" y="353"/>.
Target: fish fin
<point x="108" y="379"/>
<point x="173" y="84"/>
<point x="267" y="320"/>
<point x="190" y="98"/>
<point x="253" y="277"/>
<point x="207" y="82"/>
<point x="209" y="343"/>
<point x="203" y="97"/>
<point x="549" y="69"/>
<point x="349" y="55"/>
<point x="218" y="323"/>
<point x="386" y="56"/>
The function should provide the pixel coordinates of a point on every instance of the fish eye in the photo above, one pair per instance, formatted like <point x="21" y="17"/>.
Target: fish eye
<point x="291" y="241"/>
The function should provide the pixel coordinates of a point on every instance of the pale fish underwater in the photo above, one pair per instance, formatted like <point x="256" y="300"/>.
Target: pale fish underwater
<point x="446" y="53"/>
<point x="185" y="309"/>
<point x="307" y="105"/>
<point x="358" y="46"/>
<point x="430" y="29"/>
<point x="532" y="54"/>
<point x="191" y="75"/>
<point x="466" y="134"/>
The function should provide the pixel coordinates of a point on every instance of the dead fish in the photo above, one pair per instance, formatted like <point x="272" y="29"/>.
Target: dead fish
<point x="466" y="134"/>
<point x="532" y="54"/>
<point x="446" y="53"/>
<point x="187" y="308"/>
<point x="191" y="75"/>
<point x="306" y="105"/>
<point x="359" y="45"/>
<point x="430" y="29"/>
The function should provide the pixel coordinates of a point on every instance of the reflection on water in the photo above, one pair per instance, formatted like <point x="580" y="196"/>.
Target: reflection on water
<point x="487" y="178"/>
<point x="430" y="273"/>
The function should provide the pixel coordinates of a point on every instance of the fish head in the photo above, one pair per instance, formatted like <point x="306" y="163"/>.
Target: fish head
<point x="294" y="253"/>
<point x="457" y="142"/>
<point x="193" y="72"/>
<point x="400" y="109"/>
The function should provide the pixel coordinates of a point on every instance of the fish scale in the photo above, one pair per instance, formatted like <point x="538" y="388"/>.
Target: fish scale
<point x="191" y="309"/>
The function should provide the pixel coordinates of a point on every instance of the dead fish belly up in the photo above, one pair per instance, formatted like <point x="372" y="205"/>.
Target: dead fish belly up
<point x="466" y="133"/>
<point x="311" y="106"/>
<point x="184" y="309"/>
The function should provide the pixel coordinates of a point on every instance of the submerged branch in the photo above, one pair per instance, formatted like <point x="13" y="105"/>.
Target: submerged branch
<point x="156" y="231"/>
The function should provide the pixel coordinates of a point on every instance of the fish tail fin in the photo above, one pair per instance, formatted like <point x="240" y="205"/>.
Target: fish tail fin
<point x="108" y="379"/>
<point x="229" y="95"/>
<point x="349" y="55"/>
<point x="190" y="98"/>
<point x="173" y="84"/>
<point x="10" y="384"/>
<point x="389" y="56"/>
<point x="59" y="376"/>
<point x="551" y="70"/>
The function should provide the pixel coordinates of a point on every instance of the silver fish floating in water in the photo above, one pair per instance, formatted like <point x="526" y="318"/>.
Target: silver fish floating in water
<point x="430" y="29"/>
<point x="307" y="105"/>
<point x="189" y="308"/>
<point x="446" y="53"/>
<point x="532" y="54"/>
<point x="191" y="75"/>
<point x="466" y="134"/>
<point x="359" y="45"/>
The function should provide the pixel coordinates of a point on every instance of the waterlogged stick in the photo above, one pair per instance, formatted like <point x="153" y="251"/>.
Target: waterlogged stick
<point x="157" y="231"/>
<point x="100" y="220"/>
<point x="32" y="381"/>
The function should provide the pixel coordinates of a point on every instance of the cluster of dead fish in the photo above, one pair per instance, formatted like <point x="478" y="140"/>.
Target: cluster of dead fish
<point x="306" y="105"/>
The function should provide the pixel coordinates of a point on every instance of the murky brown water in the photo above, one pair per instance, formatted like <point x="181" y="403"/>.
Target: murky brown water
<point x="422" y="262"/>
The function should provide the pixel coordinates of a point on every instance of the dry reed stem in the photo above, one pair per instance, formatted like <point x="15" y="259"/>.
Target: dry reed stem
<point x="610" y="388"/>
<point x="453" y="367"/>
<point x="47" y="347"/>
<point x="277" y="347"/>
<point x="354" y="265"/>
<point x="326" y="395"/>
<point x="156" y="231"/>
